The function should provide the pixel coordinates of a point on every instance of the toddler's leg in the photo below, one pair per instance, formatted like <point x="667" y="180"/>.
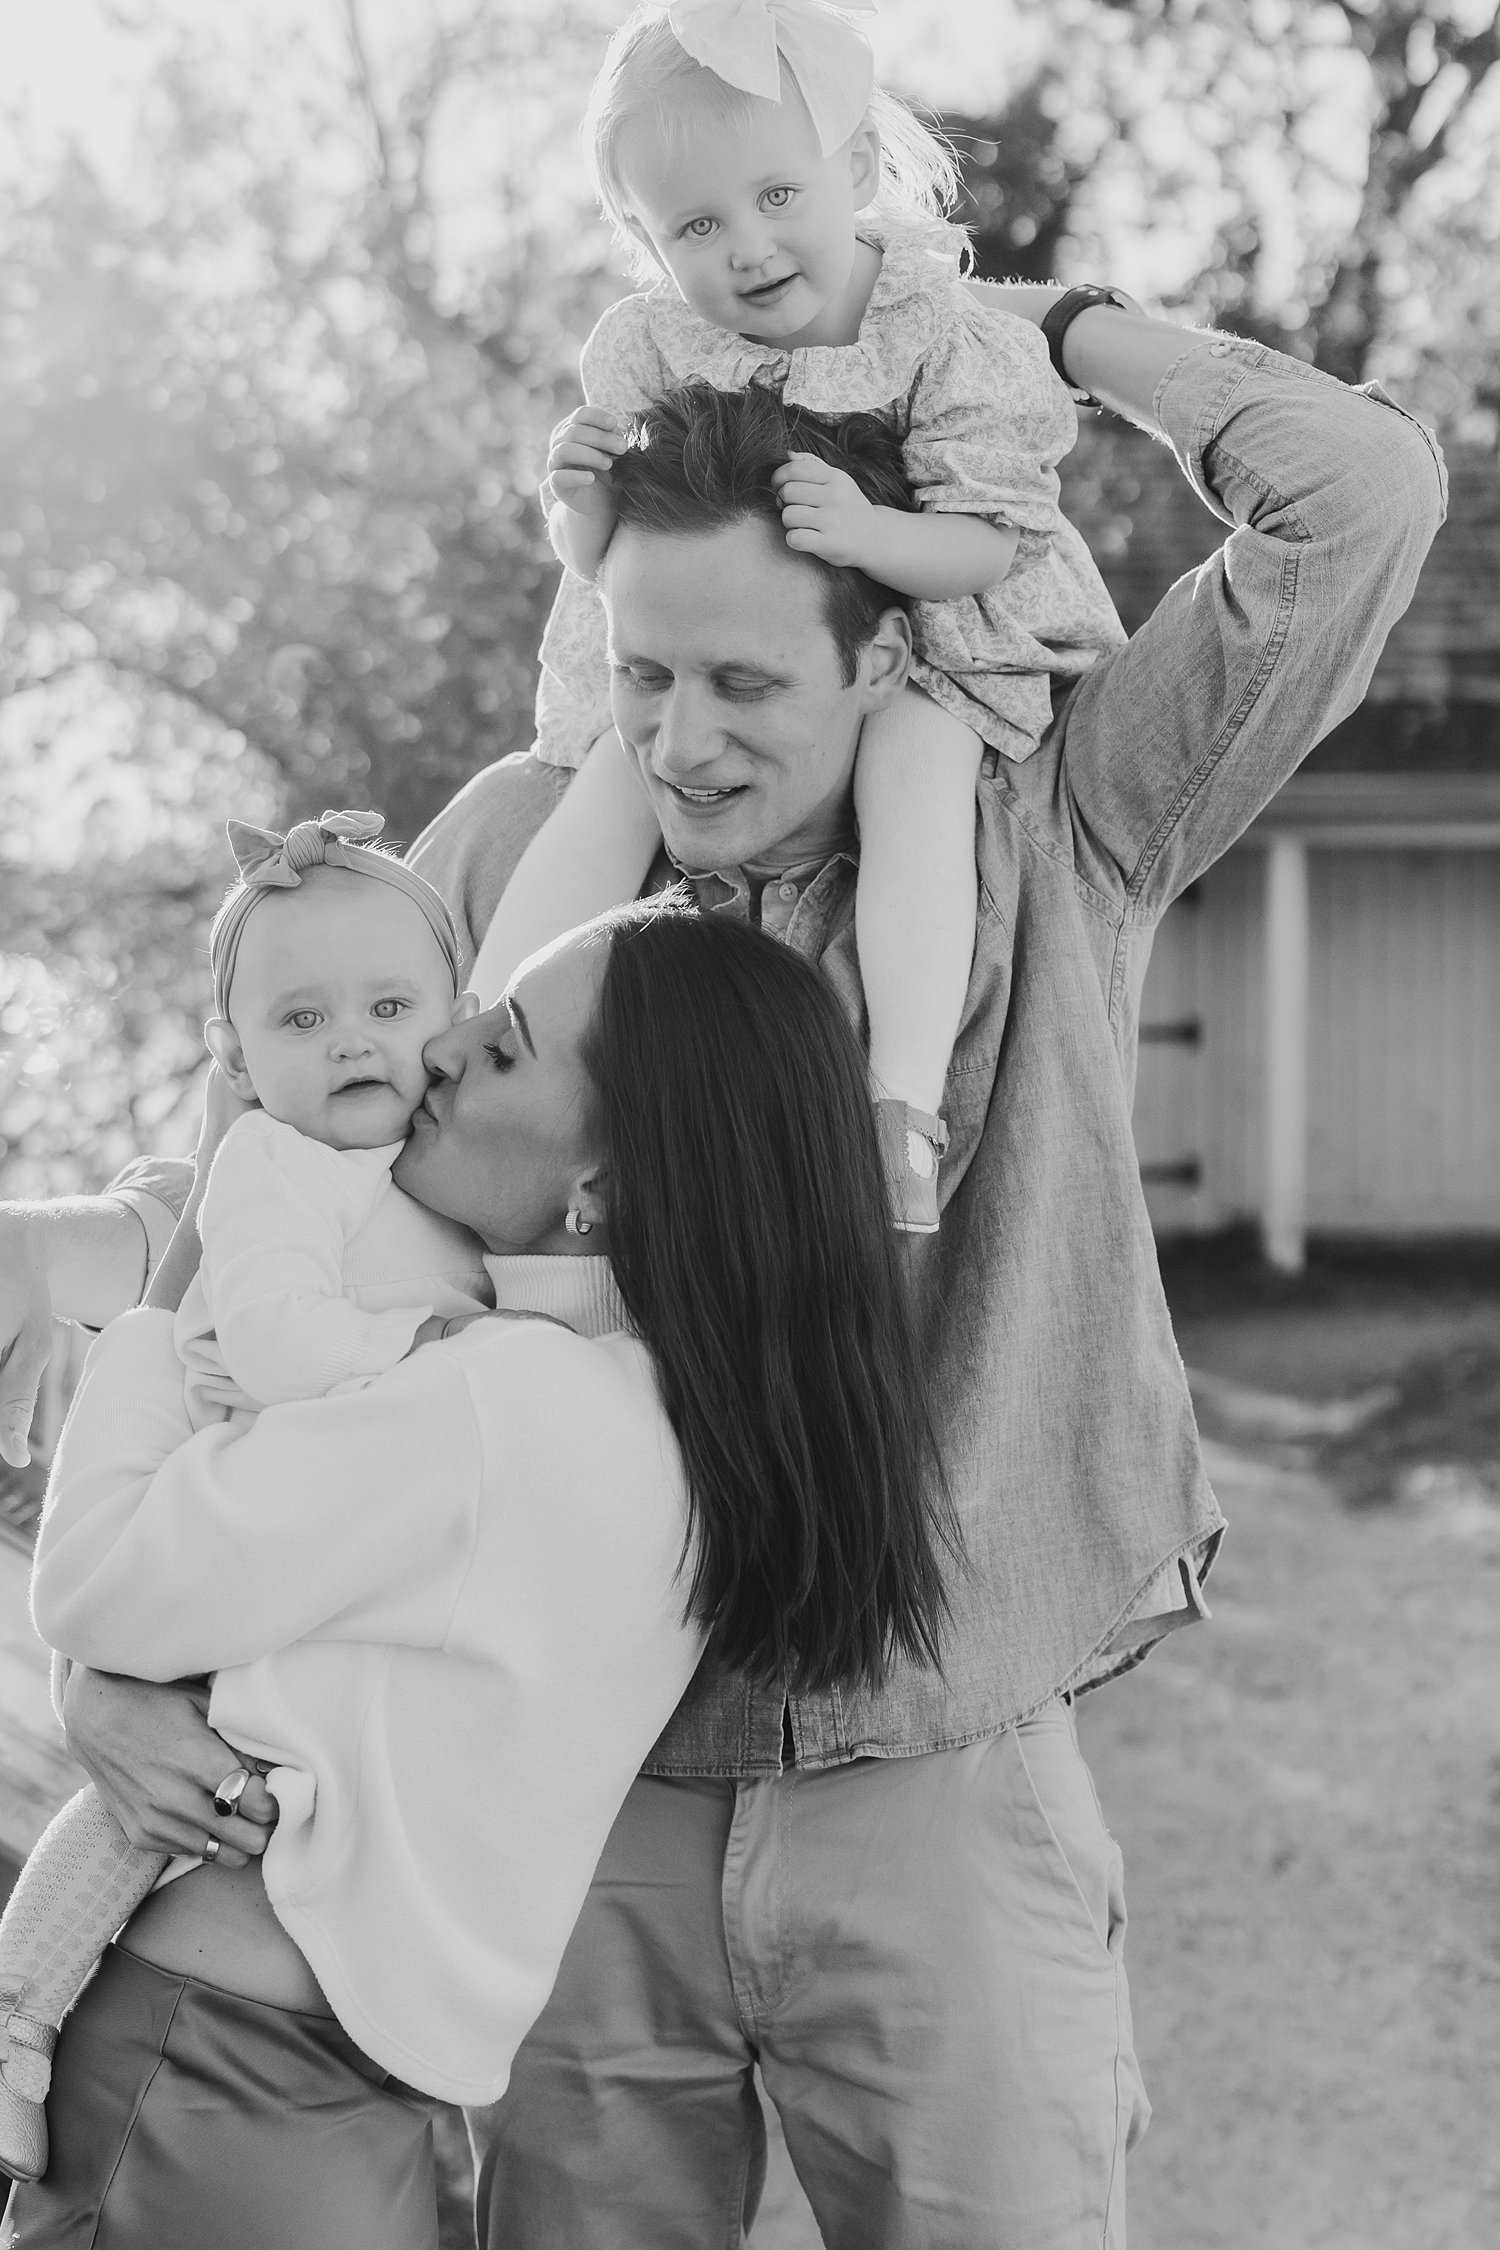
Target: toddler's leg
<point x="914" y="920"/>
<point x="594" y="852"/>
<point x="83" y="1881"/>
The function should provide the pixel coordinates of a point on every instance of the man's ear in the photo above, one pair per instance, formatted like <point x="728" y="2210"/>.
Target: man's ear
<point x="224" y="1045"/>
<point x="885" y="661"/>
<point x="466" y="1005"/>
<point x="864" y="164"/>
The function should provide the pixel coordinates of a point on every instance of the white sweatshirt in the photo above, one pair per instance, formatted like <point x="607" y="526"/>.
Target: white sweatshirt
<point x="448" y="1607"/>
<point x="275" y="1311"/>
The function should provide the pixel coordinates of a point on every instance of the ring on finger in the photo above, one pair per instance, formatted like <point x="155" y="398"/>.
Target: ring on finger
<point x="230" y="1791"/>
<point x="210" y="1850"/>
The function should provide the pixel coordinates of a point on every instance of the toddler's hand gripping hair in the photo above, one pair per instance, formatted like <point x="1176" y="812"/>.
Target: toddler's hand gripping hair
<point x="744" y="42"/>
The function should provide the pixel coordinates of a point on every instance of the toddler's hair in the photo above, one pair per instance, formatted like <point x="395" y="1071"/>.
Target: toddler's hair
<point x="919" y="178"/>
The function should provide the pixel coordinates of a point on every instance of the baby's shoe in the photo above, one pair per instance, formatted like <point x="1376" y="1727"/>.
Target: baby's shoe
<point x="25" y="2074"/>
<point x="911" y="1145"/>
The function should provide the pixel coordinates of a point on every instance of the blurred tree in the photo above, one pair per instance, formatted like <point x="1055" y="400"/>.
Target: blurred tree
<point x="1318" y="173"/>
<point x="274" y="469"/>
<point x="268" y="538"/>
<point x="1019" y="179"/>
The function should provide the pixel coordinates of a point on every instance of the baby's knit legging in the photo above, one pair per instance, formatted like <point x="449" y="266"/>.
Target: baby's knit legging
<point x="84" y="1879"/>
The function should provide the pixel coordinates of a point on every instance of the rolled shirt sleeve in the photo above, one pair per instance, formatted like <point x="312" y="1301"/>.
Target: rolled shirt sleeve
<point x="1176" y="742"/>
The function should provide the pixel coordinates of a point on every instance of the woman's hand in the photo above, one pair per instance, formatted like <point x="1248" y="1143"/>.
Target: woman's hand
<point x="156" y="1762"/>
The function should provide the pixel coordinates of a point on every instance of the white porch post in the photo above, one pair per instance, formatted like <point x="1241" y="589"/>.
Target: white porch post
<point x="1284" y="1197"/>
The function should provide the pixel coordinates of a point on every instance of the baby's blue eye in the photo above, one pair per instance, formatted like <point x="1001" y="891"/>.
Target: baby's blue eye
<point x="699" y="229"/>
<point x="777" y="198"/>
<point x="304" y="1019"/>
<point x="385" y="1009"/>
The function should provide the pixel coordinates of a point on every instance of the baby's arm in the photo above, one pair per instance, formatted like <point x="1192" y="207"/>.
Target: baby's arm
<point x="934" y="558"/>
<point x="594" y="852"/>
<point x="622" y="370"/>
<point x="576" y="493"/>
<point x="277" y="1214"/>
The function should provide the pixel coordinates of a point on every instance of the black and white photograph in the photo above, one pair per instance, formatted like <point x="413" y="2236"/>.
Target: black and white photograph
<point x="750" y="1125"/>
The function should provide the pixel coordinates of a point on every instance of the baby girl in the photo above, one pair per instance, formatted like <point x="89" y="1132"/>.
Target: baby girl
<point x="333" y="965"/>
<point x="792" y="211"/>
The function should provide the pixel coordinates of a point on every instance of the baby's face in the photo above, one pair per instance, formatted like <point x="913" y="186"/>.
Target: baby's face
<point x="753" y="223"/>
<point x="338" y="986"/>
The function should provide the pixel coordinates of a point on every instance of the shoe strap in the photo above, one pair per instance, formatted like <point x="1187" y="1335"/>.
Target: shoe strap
<point x="26" y="2056"/>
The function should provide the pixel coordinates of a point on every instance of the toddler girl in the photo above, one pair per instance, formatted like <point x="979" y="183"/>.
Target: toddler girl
<point x="794" y="212"/>
<point x="333" y="966"/>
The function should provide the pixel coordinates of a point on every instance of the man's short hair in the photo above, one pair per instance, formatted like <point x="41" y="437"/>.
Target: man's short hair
<point x="701" y="460"/>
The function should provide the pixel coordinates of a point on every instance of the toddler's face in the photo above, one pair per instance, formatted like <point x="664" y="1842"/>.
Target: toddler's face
<point x="338" y="986"/>
<point x="755" y="226"/>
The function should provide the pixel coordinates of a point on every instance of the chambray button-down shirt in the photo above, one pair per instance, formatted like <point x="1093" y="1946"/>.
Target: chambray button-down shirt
<point x="1061" y="1401"/>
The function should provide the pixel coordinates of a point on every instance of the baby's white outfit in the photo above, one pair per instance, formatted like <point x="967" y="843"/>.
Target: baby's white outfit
<point x="983" y="419"/>
<point x="317" y="1272"/>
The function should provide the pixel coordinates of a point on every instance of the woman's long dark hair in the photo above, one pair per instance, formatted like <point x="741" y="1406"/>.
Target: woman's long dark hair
<point x="750" y="1239"/>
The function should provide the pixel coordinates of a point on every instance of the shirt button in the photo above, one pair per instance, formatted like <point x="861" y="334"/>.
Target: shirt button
<point x="1222" y="351"/>
<point x="788" y="892"/>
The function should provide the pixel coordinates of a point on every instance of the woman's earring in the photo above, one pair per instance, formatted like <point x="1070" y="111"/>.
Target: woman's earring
<point x="576" y="1223"/>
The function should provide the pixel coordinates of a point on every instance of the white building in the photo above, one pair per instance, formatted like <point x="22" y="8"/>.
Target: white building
<point x="1320" y="1034"/>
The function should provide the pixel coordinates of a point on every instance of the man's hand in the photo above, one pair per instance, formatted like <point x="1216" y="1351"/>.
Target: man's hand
<point x="824" y="513"/>
<point x="25" y="1330"/>
<point x="579" y="460"/>
<point x="156" y="1762"/>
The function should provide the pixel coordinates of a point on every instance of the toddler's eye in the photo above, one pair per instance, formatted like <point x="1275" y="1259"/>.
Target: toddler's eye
<point x="698" y="230"/>
<point x="777" y="198"/>
<point x="385" y="1009"/>
<point x="304" y="1019"/>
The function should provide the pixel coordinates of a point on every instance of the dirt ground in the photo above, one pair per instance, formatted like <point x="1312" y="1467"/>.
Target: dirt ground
<point x="1308" y="1790"/>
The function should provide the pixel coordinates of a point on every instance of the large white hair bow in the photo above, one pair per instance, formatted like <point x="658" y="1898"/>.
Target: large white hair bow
<point x="745" y="41"/>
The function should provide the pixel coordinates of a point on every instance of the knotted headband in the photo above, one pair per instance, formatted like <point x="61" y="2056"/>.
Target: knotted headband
<point x="268" y="862"/>
<point x="744" y="42"/>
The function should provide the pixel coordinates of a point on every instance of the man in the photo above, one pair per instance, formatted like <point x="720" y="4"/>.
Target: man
<point x="905" y="1904"/>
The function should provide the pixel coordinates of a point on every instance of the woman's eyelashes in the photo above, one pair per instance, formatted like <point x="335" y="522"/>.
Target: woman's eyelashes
<point x="498" y="1055"/>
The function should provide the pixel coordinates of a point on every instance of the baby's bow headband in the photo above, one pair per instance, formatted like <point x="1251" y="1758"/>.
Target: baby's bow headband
<point x="268" y="862"/>
<point x="745" y="41"/>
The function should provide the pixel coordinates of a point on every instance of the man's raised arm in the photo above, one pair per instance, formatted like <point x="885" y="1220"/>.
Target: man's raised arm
<point x="1333" y="495"/>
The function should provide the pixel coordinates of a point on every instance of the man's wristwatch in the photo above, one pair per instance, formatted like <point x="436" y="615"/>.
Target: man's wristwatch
<point x="1060" y="317"/>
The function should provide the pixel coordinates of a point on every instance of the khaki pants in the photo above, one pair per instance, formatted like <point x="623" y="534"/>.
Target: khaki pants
<point x="186" y="2118"/>
<point x="924" y="1954"/>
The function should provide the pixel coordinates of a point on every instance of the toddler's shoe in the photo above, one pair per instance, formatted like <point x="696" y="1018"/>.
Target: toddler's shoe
<point x="911" y="1146"/>
<point x="25" y="2074"/>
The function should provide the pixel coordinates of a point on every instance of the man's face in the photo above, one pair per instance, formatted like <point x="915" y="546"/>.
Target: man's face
<point x="728" y="693"/>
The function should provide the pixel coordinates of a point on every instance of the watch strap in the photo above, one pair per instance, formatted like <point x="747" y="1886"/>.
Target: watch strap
<point x="1059" y="318"/>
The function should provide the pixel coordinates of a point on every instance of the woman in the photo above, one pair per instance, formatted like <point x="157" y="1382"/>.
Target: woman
<point x="454" y="1609"/>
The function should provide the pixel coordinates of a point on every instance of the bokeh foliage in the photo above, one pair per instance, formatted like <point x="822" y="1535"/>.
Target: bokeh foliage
<point x="269" y="433"/>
